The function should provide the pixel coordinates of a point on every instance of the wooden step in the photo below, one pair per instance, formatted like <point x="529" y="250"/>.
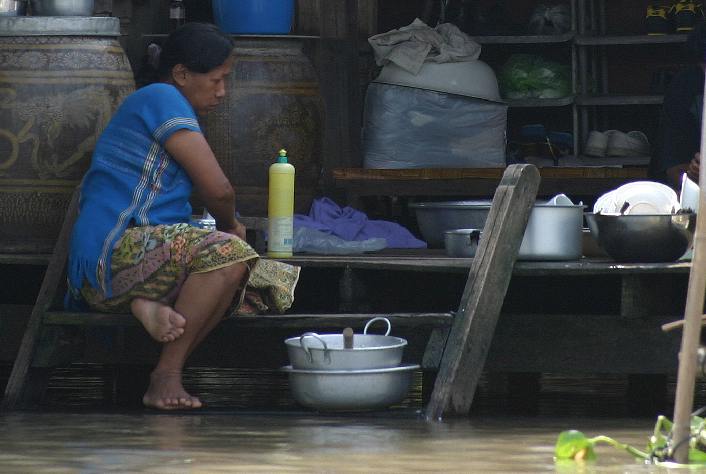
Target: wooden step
<point x="339" y="320"/>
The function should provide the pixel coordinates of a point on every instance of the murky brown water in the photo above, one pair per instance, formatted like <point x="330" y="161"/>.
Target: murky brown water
<point x="252" y="425"/>
<point x="227" y="442"/>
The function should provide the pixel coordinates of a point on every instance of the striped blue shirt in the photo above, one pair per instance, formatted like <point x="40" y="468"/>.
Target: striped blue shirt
<point x="132" y="181"/>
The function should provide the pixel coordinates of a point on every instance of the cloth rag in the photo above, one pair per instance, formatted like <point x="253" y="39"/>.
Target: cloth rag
<point x="410" y="46"/>
<point x="350" y="224"/>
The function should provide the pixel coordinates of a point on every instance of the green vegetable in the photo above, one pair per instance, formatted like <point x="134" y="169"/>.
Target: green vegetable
<point x="526" y="76"/>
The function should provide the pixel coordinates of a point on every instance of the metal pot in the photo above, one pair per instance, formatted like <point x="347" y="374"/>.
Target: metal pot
<point x="350" y="390"/>
<point x="553" y="233"/>
<point x="326" y="351"/>
<point x="62" y="7"/>
<point x="461" y="242"/>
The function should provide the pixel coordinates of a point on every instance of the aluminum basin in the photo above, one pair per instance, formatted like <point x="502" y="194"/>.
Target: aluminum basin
<point x="350" y="390"/>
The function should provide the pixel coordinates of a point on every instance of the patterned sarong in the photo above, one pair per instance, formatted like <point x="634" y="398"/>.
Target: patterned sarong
<point x="154" y="261"/>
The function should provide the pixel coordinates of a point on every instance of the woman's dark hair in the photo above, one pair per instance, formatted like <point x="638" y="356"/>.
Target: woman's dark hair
<point x="696" y="43"/>
<point x="200" y="47"/>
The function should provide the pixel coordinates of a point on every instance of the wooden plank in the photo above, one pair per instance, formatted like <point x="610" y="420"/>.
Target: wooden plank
<point x="646" y="295"/>
<point x="583" y="343"/>
<point x="491" y="173"/>
<point x="54" y="274"/>
<point x="338" y="320"/>
<point x="424" y="260"/>
<point x="472" y="331"/>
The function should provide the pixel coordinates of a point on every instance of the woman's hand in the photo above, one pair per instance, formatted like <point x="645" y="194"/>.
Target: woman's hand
<point x="238" y="230"/>
<point x="694" y="165"/>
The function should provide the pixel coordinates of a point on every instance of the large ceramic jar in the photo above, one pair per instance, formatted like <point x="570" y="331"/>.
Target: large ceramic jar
<point x="61" y="79"/>
<point x="273" y="102"/>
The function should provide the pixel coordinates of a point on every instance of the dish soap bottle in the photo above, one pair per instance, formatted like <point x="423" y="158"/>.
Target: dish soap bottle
<point x="280" y="208"/>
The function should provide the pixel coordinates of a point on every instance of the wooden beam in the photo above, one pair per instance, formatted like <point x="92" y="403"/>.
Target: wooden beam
<point x="472" y="331"/>
<point x="339" y="86"/>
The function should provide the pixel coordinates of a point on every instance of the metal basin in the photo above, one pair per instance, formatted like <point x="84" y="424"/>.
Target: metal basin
<point x="312" y="351"/>
<point x="350" y="390"/>
<point x="643" y="237"/>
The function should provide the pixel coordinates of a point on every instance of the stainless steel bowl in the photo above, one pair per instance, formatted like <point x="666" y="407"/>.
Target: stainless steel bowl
<point x="643" y="237"/>
<point x="435" y="218"/>
<point x="62" y="7"/>
<point x="350" y="390"/>
<point x="312" y="351"/>
<point x="13" y="7"/>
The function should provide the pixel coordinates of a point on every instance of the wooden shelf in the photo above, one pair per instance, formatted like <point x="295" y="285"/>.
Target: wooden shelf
<point x="525" y="39"/>
<point x="618" y="99"/>
<point x="522" y="103"/>
<point x="479" y="182"/>
<point x="591" y="40"/>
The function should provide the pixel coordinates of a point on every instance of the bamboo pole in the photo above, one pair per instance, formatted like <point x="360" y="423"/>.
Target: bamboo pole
<point x="686" y="377"/>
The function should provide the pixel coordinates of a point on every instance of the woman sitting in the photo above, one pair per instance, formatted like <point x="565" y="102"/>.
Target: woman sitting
<point x="132" y="247"/>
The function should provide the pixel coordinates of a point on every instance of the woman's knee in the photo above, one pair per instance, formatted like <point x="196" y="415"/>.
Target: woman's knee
<point x="235" y="273"/>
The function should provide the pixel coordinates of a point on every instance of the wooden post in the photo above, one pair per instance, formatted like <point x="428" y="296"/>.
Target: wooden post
<point x="686" y="376"/>
<point x="339" y="86"/>
<point x="472" y="330"/>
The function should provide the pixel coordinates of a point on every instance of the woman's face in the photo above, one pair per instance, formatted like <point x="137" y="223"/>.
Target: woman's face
<point x="203" y="90"/>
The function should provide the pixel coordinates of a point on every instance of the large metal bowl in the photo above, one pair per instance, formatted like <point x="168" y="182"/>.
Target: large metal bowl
<point x="350" y="390"/>
<point x="312" y="351"/>
<point x="643" y="237"/>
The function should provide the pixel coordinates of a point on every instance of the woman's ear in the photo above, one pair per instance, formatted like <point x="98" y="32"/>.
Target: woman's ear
<point x="179" y="73"/>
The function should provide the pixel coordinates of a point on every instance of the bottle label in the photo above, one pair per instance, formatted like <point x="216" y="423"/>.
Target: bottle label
<point x="280" y="236"/>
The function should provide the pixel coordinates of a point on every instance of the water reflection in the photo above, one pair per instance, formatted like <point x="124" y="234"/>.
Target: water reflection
<point x="232" y="442"/>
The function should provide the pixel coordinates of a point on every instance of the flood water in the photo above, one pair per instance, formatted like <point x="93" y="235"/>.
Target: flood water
<point x="228" y="442"/>
<point x="78" y="431"/>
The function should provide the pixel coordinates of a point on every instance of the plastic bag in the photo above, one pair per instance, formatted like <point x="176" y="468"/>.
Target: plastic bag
<point x="527" y="76"/>
<point x="311" y="240"/>
<point x="406" y="127"/>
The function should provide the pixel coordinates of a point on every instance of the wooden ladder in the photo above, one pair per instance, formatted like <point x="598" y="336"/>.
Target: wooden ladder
<point x="460" y="341"/>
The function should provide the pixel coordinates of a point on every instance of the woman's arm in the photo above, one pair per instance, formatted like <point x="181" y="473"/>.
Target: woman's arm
<point x="191" y="150"/>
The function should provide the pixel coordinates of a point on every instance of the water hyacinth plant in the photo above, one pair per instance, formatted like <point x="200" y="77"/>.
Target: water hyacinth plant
<point x="573" y="445"/>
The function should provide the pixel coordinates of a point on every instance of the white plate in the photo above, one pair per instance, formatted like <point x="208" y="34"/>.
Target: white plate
<point x="652" y="197"/>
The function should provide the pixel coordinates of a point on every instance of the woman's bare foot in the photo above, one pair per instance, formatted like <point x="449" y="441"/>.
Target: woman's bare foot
<point x="167" y="393"/>
<point x="161" y="321"/>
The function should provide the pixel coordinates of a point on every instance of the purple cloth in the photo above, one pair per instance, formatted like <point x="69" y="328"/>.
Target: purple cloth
<point x="351" y="224"/>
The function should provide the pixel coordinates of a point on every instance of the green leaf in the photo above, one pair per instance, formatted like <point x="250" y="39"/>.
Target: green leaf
<point x="574" y="445"/>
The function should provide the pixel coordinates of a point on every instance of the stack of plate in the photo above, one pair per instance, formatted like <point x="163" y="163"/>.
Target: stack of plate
<point x="639" y="197"/>
<point x="326" y="375"/>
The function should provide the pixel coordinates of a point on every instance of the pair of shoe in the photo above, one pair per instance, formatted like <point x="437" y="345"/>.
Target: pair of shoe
<point x="680" y="17"/>
<point x="617" y="143"/>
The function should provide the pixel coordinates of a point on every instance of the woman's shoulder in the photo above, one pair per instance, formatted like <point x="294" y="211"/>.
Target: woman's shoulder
<point x="157" y="92"/>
